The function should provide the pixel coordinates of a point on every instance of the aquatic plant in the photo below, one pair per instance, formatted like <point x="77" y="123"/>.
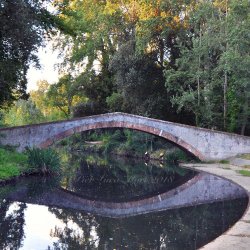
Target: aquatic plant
<point x="44" y="161"/>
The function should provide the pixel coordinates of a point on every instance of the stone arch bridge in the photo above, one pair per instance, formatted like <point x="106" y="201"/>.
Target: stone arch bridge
<point x="205" y="144"/>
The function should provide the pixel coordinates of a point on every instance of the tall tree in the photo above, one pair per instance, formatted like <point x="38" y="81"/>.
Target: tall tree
<point x="12" y="225"/>
<point x="237" y="61"/>
<point x="22" y="24"/>
<point x="99" y="31"/>
<point x="139" y="82"/>
<point x="190" y="81"/>
<point x="44" y="104"/>
<point x="206" y="79"/>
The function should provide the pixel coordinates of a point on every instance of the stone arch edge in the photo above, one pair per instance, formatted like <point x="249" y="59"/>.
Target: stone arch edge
<point x="117" y="124"/>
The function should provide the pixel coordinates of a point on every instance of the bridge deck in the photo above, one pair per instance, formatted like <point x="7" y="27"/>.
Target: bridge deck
<point x="203" y="143"/>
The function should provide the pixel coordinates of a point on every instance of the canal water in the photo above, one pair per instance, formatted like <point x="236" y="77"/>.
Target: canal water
<point x="102" y="202"/>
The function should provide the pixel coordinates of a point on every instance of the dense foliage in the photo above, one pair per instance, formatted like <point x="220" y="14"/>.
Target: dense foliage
<point x="40" y="161"/>
<point x="185" y="61"/>
<point x="22" y="25"/>
<point x="211" y="78"/>
<point x="125" y="142"/>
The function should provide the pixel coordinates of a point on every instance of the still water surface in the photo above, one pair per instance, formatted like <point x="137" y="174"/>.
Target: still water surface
<point x="31" y="216"/>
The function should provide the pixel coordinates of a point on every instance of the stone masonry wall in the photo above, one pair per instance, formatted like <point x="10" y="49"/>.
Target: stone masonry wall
<point x="202" y="143"/>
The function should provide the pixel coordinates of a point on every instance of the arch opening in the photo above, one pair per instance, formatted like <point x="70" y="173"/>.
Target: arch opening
<point x="189" y="149"/>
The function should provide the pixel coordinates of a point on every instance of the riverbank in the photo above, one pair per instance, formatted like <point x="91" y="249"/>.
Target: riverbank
<point x="126" y="143"/>
<point x="33" y="161"/>
<point x="161" y="154"/>
<point x="238" y="236"/>
<point x="12" y="164"/>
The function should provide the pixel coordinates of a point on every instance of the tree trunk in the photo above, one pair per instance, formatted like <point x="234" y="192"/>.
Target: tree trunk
<point x="161" y="45"/>
<point x="199" y="67"/>
<point x="225" y="100"/>
<point x="245" y="115"/>
<point x="225" y="85"/>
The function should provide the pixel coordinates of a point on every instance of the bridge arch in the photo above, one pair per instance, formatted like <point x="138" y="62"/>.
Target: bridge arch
<point x="113" y="124"/>
<point x="203" y="143"/>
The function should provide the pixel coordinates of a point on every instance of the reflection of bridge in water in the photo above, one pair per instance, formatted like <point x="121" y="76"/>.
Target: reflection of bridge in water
<point x="202" y="143"/>
<point x="203" y="188"/>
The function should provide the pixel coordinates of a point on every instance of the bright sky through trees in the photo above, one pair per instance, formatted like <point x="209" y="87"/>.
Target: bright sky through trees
<point x="48" y="59"/>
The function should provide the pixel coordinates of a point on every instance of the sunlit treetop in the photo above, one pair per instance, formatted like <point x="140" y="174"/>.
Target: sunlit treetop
<point x="99" y="26"/>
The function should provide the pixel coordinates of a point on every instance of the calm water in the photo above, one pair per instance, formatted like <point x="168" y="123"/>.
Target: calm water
<point x="120" y="179"/>
<point x="33" y="213"/>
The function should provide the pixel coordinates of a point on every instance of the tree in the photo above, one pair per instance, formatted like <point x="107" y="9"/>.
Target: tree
<point x="192" y="81"/>
<point x="64" y="95"/>
<point x="12" y="225"/>
<point x="22" y="27"/>
<point x="237" y="61"/>
<point x="118" y="50"/>
<point x="23" y="112"/>
<point x="207" y="79"/>
<point x="44" y="104"/>
<point x="139" y="82"/>
<point x="98" y="32"/>
<point x="89" y="30"/>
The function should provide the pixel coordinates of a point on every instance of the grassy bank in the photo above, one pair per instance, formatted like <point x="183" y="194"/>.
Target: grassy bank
<point x="12" y="164"/>
<point x="35" y="161"/>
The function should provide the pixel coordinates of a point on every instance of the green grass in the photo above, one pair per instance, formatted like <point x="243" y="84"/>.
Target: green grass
<point x="224" y="161"/>
<point x="244" y="172"/>
<point x="11" y="163"/>
<point x="245" y="156"/>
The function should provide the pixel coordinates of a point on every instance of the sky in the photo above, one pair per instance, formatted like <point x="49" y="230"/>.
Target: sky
<point x="48" y="59"/>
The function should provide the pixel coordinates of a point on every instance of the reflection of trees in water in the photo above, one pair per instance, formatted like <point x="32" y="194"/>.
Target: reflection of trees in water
<point x="96" y="177"/>
<point x="186" y="228"/>
<point x="75" y="238"/>
<point x="38" y="185"/>
<point x="11" y="224"/>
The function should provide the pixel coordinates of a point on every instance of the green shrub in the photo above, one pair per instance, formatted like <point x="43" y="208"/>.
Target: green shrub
<point x="172" y="158"/>
<point x="177" y="155"/>
<point x="224" y="161"/>
<point x="44" y="161"/>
